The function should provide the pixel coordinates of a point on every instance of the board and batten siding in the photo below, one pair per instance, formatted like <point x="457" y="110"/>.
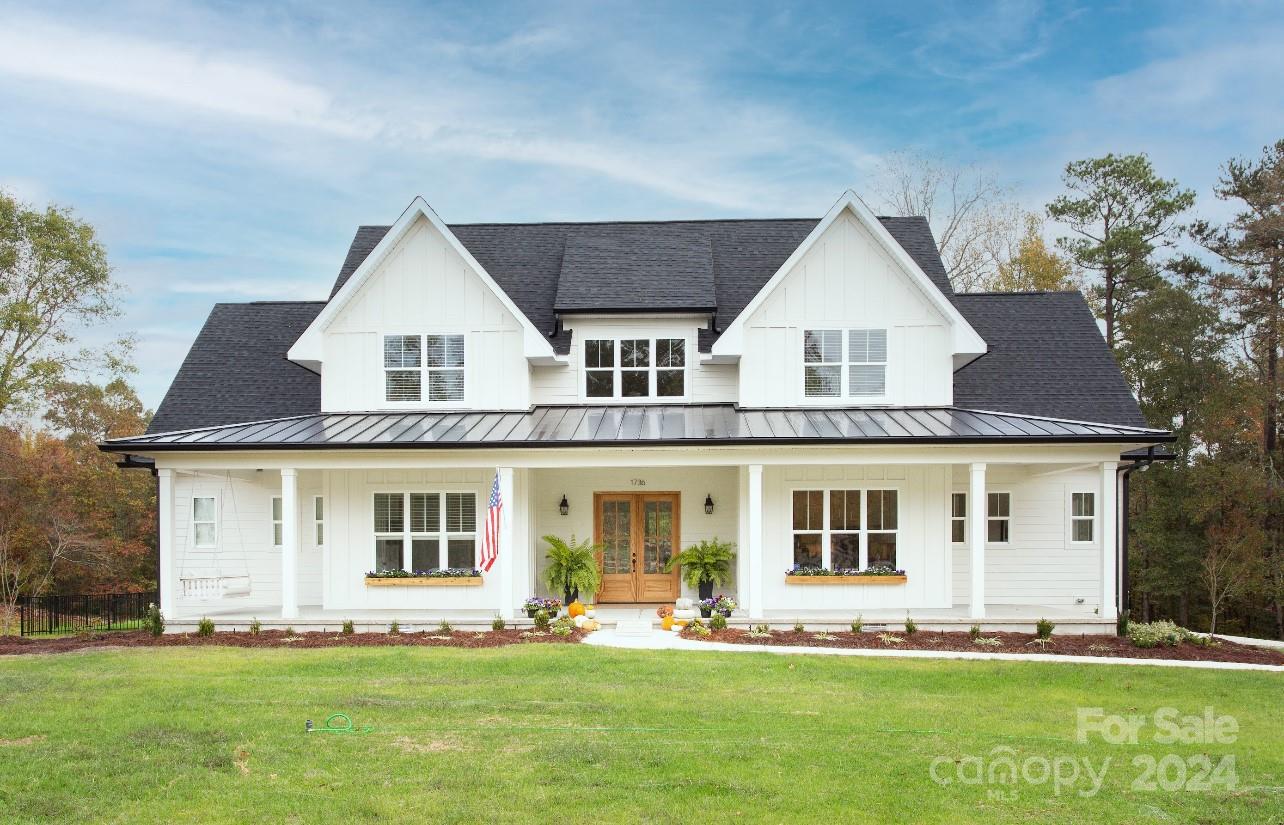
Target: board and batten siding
<point x="846" y="280"/>
<point x="921" y="543"/>
<point x="424" y="287"/>
<point x="1040" y="565"/>
<point x="244" y="537"/>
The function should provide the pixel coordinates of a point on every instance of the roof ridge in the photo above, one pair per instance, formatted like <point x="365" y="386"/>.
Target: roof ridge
<point x="999" y="292"/>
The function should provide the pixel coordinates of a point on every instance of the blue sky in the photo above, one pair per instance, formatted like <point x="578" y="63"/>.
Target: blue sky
<point x="226" y="152"/>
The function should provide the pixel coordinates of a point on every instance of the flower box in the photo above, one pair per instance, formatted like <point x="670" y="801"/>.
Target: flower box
<point x="845" y="579"/>
<point x="423" y="581"/>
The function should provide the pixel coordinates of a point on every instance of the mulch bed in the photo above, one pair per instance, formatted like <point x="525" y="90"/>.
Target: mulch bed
<point x="11" y="645"/>
<point x="1061" y="645"/>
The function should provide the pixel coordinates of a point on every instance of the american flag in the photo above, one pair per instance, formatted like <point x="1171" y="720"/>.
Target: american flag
<point x="490" y="538"/>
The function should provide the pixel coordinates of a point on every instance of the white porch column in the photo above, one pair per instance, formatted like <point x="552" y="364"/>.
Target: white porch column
<point x="976" y="511"/>
<point x="289" y="544"/>
<point x="167" y="582"/>
<point x="754" y="544"/>
<point x="509" y="557"/>
<point x="1109" y="533"/>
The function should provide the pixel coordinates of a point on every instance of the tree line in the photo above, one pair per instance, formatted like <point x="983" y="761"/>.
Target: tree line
<point x="1191" y="308"/>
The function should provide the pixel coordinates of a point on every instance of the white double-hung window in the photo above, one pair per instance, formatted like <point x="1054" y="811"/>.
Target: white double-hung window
<point x="423" y="368"/>
<point x="845" y="363"/>
<point x="421" y="532"/>
<point x="204" y="521"/>
<point x="1082" y="517"/>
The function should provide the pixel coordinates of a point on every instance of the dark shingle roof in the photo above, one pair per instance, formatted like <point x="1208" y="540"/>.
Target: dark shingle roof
<point x="622" y="267"/>
<point x="236" y="369"/>
<point x="527" y="261"/>
<point x="1046" y="357"/>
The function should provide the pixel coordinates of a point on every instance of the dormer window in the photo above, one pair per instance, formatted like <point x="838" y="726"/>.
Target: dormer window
<point x="645" y="368"/>
<point x="411" y="362"/>
<point x="845" y="363"/>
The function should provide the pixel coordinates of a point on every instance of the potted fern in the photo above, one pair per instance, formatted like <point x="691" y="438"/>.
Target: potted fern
<point x="572" y="567"/>
<point x="704" y="565"/>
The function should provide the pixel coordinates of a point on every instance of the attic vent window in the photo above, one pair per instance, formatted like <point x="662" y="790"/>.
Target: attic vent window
<point x="857" y="370"/>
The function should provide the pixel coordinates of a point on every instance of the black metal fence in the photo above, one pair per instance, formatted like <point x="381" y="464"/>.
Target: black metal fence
<point x="43" y="615"/>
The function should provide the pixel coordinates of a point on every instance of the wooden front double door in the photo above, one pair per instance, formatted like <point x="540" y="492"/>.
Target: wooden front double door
<point x="639" y="534"/>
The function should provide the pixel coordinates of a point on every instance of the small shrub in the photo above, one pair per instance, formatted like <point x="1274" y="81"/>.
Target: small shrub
<point x="911" y="627"/>
<point x="205" y="627"/>
<point x="348" y="628"/>
<point x="498" y="623"/>
<point x="1043" y="629"/>
<point x="1040" y="642"/>
<point x="760" y="631"/>
<point x="890" y="638"/>
<point x="798" y="627"/>
<point x="1121" y="624"/>
<point x="394" y="629"/>
<point x="562" y="630"/>
<point x="256" y="627"/>
<point x="718" y="622"/>
<point x="987" y="641"/>
<point x="289" y="632"/>
<point x="1155" y="634"/>
<point x="858" y="624"/>
<point x="1200" y="639"/>
<point x="154" y="621"/>
<point x="974" y="631"/>
<point x="541" y="619"/>
<point x="444" y="627"/>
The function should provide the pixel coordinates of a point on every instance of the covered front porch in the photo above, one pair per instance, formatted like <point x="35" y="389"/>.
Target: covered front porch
<point x="997" y="535"/>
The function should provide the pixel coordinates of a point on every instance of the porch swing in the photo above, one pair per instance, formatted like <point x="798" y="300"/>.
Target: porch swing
<point x="206" y="584"/>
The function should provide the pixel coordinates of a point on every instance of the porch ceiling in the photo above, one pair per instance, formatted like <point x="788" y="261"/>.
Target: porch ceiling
<point x="652" y="425"/>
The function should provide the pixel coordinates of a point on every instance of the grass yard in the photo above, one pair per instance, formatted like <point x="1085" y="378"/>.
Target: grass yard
<point x="570" y="733"/>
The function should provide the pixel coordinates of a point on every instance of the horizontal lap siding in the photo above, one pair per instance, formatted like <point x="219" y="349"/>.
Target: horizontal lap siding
<point x="1040" y="565"/>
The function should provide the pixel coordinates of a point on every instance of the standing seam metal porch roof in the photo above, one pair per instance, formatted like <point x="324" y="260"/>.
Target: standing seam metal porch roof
<point x="638" y="425"/>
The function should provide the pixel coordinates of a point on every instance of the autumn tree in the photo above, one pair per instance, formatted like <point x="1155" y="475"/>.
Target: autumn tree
<point x="1031" y="266"/>
<point x="1119" y="212"/>
<point x="54" y="282"/>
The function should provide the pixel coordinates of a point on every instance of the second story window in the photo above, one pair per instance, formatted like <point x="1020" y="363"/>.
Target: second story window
<point x="645" y="368"/>
<point x="411" y="362"/>
<point x="848" y="363"/>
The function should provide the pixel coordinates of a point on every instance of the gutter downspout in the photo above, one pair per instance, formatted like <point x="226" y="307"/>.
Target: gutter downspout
<point x="1125" y="592"/>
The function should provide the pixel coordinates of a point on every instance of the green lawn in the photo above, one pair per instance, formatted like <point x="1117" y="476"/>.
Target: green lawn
<point x="543" y="734"/>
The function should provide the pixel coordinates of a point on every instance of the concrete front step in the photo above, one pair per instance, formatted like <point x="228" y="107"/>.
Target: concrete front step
<point x="634" y="627"/>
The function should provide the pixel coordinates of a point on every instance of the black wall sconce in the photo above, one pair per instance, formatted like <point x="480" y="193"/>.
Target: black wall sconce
<point x="564" y="506"/>
<point x="708" y="504"/>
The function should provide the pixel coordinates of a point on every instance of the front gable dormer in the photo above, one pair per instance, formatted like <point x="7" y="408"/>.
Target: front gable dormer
<point x="420" y="324"/>
<point x="849" y="320"/>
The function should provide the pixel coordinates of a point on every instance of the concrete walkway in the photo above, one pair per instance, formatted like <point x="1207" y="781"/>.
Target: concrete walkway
<point x="1272" y="644"/>
<point x="667" y="640"/>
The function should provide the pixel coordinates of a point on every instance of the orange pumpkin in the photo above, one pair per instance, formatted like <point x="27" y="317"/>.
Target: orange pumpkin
<point x="667" y="623"/>
<point x="575" y="609"/>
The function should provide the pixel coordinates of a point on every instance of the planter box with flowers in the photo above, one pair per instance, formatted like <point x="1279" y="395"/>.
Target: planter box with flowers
<point x="819" y="575"/>
<point x="448" y="577"/>
<point x="535" y="604"/>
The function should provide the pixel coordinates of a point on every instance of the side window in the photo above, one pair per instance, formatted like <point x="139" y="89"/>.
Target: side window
<point x="278" y="530"/>
<point x="445" y="364"/>
<point x="998" y="528"/>
<point x="402" y="359"/>
<point x="204" y="521"/>
<point x="958" y="517"/>
<point x="822" y="363"/>
<point x="866" y="362"/>
<point x="318" y="521"/>
<point x="599" y="368"/>
<point x="670" y="367"/>
<point x="1082" y="516"/>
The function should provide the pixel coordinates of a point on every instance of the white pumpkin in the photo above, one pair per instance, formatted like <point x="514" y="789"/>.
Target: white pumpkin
<point x="581" y="620"/>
